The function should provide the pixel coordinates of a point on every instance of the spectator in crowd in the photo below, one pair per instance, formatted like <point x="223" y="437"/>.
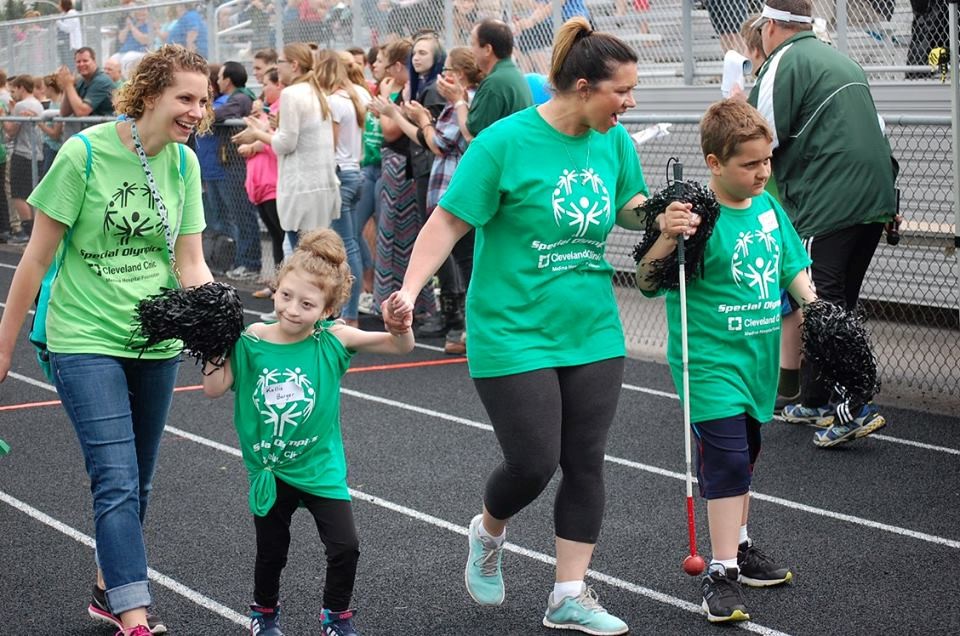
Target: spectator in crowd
<point x="534" y="31"/>
<point x="69" y="32"/>
<point x="348" y="103"/>
<point x="426" y="63"/>
<point x="929" y="29"/>
<point x="445" y="140"/>
<point x="112" y="70"/>
<point x="358" y="54"/>
<point x="51" y="131"/>
<point x="89" y="95"/>
<point x="368" y="207"/>
<point x="6" y="230"/>
<point x="308" y="194"/>
<point x="190" y="30"/>
<point x="261" y="182"/>
<point x="133" y="31"/>
<point x="827" y="146"/>
<point x="726" y="16"/>
<point x="263" y="60"/>
<point x="32" y="44"/>
<point x="238" y="214"/>
<point x="5" y="96"/>
<point x="400" y="216"/>
<point x="548" y="366"/>
<point x="212" y="175"/>
<point x="39" y="91"/>
<point x="26" y="150"/>
<point x="502" y="92"/>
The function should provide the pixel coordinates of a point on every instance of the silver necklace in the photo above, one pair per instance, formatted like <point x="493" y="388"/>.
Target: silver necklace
<point x="570" y="156"/>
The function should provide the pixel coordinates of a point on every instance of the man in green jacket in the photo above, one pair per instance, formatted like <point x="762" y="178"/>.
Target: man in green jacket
<point x="835" y="176"/>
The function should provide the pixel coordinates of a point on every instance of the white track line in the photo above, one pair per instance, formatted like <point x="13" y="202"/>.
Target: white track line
<point x="203" y="601"/>
<point x="885" y="438"/>
<point x="829" y="514"/>
<point x="158" y="578"/>
<point x="510" y="547"/>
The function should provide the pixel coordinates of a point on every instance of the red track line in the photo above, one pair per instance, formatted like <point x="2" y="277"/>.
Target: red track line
<point x="197" y="387"/>
<point x="28" y="405"/>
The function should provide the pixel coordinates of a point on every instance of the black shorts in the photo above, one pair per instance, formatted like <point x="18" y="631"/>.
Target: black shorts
<point x="21" y="177"/>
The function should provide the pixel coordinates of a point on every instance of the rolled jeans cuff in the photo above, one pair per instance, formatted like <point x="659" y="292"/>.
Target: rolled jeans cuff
<point x="127" y="597"/>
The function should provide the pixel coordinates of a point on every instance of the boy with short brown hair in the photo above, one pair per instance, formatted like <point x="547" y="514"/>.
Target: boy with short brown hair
<point x="734" y="331"/>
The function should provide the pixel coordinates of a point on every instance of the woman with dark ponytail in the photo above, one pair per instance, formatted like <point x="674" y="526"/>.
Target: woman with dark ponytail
<point x="549" y="375"/>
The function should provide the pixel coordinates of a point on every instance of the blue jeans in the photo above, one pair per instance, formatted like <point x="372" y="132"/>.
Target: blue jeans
<point x="351" y="182"/>
<point x="367" y="206"/>
<point x="240" y="218"/>
<point x="118" y="407"/>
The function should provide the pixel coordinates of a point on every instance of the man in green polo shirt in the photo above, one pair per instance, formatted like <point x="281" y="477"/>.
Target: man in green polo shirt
<point x="90" y="94"/>
<point x="503" y="91"/>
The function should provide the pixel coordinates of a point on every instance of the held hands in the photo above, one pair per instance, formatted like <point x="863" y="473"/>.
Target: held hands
<point x="678" y="219"/>
<point x="398" y="312"/>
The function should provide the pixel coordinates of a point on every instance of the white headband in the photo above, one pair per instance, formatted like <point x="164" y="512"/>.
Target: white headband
<point x="782" y="16"/>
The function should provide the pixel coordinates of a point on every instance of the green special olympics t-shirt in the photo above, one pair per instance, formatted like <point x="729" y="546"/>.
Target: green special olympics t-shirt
<point x="287" y="415"/>
<point x="543" y="203"/>
<point x="117" y="254"/>
<point x="733" y="313"/>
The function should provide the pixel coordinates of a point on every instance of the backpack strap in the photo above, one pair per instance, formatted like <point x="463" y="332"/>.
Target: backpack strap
<point x="88" y="166"/>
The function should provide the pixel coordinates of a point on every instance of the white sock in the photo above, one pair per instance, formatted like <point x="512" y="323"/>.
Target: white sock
<point x="726" y="563"/>
<point x="482" y="531"/>
<point x="744" y="537"/>
<point x="563" y="589"/>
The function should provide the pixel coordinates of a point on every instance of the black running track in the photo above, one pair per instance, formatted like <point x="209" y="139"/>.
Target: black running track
<point x="871" y="528"/>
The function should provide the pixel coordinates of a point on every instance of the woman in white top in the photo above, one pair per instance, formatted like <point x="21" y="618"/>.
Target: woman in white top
<point x="348" y="108"/>
<point x="69" y="32"/>
<point x="308" y="192"/>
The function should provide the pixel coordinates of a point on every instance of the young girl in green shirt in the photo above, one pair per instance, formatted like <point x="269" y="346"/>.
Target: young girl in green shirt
<point x="286" y="381"/>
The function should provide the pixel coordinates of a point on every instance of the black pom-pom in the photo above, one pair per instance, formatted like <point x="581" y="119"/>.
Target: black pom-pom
<point x="208" y="319"/>
<point x="664" y="273"/>
<point x="836" y="341"/>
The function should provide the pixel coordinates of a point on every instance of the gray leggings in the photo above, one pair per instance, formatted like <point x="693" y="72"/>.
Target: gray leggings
<point x="548" y="418"/>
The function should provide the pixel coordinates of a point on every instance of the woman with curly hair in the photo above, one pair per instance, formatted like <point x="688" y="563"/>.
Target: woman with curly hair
<point x="128" y="192"/>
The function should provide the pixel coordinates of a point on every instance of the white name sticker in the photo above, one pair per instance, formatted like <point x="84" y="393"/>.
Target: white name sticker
<point x="283" y="393"/>
<point x="768" y="221"/>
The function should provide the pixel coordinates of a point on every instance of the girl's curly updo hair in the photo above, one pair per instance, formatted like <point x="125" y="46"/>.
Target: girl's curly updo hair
<point x="321" y="255"/>
<point x="154" y="74"/>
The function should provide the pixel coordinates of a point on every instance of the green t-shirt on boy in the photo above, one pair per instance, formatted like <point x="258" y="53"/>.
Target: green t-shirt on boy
<point x="733" y="313"/>
<point x="287" y="415"/>
<point x="543" y="203"/>
<point x="117" y="253"/>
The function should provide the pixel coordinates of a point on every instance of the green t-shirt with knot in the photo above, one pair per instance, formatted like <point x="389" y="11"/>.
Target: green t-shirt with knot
<point x="117" y="253"/>
<point x="733" y="313"/>
<point x="287" y="415"/>
<point x="543" y="204"/>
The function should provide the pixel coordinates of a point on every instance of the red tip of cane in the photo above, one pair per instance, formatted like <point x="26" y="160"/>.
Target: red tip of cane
<point x="694" y="565"/>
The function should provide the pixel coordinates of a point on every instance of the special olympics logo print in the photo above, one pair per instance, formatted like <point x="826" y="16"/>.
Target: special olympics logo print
<point x="756" y="262"/>
<point x="581" y="200"/>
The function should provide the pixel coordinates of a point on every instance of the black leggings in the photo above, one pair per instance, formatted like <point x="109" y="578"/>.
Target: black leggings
<point x="546" y="418"/>
<point x="334" y="519"/>
<point x="270" y="218"/>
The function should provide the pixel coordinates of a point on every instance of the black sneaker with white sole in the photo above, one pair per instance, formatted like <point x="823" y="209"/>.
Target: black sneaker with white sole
<point x="99" y="610"/>
<point x="759" y="570"/>
<point x="722" y="595"/>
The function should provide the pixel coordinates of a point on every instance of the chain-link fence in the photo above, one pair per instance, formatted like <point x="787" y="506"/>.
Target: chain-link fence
<point x="676" y="40"/>
<point x="911" y="293"/>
